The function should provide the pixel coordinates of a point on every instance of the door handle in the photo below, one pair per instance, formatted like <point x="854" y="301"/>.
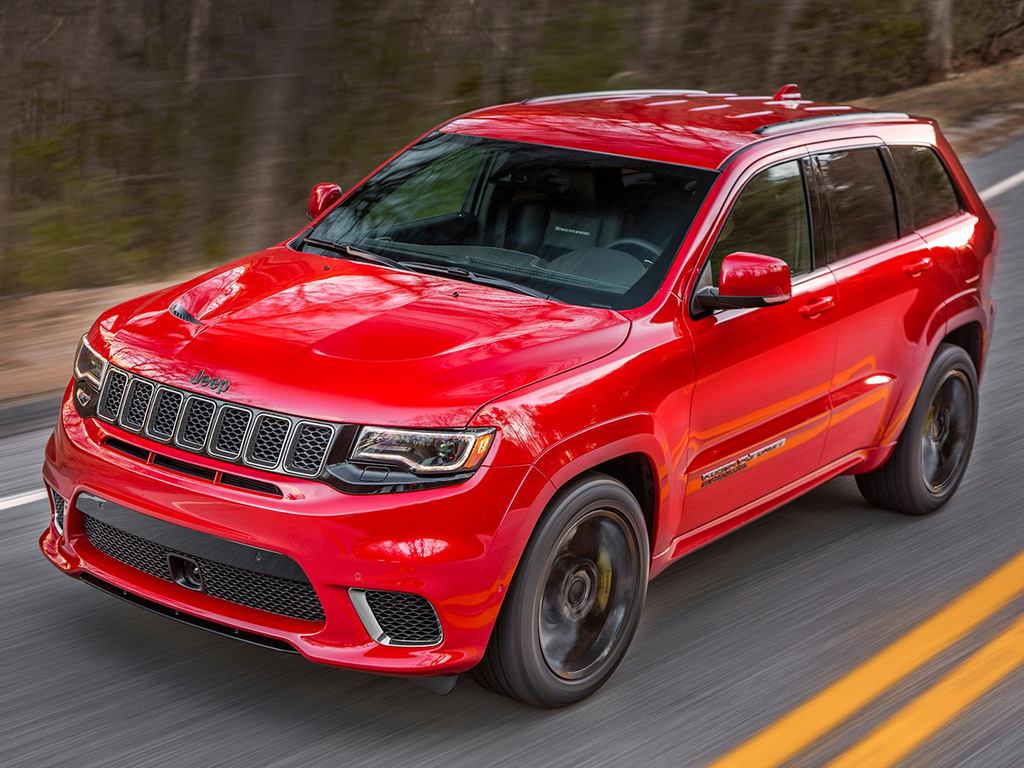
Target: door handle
<point x="917" y="266"/>
<point x="815" y="307"/>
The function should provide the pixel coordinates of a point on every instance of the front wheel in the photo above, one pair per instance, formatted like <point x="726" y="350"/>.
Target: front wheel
<point x="575" y="601"/>
<point x="931" y="456"/>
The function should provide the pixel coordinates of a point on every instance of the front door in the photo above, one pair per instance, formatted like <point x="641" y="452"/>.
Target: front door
<point x="761" y="404"/>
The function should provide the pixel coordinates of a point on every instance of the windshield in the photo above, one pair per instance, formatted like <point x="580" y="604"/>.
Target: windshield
<point x="580" y="227"/>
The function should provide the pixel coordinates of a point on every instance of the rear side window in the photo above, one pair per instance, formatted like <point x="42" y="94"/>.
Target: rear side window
<point x="859" y="199"/>
<point x="770" y="218"/>
<point x="926" y="192"/>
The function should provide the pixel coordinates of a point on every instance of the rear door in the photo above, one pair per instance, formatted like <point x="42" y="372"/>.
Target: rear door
<point x="890" y="291"/>
<point x="760" y="406"/>
<point x="931" y="205"/>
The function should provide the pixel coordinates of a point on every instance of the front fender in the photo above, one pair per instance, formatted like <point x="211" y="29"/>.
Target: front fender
<point x="634" y="433"/>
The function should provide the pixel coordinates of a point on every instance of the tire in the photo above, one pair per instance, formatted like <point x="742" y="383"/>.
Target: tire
<point x="575" y="601"/>
<point x="933" y="451"/>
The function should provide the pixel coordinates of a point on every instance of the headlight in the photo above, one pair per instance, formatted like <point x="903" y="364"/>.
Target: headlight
<point x="423" y="452"/>
<point x="88" y="365"/>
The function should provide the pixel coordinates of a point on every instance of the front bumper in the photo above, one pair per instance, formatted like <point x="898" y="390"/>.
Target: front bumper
<point x="457" y="547"/>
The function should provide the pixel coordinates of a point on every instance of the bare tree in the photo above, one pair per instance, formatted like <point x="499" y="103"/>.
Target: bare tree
<point x="938" y="38"/>
<point x="1011" y="21"/>
<point x="662" y="29"/>
<point x="272" y="126"/>
<point x="6" y="126"/>
<point x="195" y="149"/>
<point x="516" y="30"/>
<point x="789" y="13"/>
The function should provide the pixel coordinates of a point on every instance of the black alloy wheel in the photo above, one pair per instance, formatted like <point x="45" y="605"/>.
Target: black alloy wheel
<point x="932" y="453"/>
<point x="575" y="602"/>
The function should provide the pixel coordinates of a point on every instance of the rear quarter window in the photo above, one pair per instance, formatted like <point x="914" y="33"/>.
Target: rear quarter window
<point x="926" y="192"/>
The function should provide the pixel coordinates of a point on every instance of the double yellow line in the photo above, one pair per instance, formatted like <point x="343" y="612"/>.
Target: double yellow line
<point x="918" y="720"/>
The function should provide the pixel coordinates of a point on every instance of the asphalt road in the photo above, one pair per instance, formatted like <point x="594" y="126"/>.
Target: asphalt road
<point x="732" y="638"/>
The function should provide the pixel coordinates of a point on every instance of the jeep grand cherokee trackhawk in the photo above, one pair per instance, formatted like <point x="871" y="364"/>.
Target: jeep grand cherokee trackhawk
<point x="459" y="421"/>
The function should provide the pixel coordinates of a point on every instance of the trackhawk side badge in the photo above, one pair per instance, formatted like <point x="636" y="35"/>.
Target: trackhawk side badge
<point x="203" y="379"/>
<point x="734" y="466"/>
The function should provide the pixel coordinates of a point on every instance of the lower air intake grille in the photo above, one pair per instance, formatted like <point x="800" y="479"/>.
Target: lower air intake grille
<point x="264" y="592"/>
<point x="58" y="509"/>
<point x="405" y="618"/>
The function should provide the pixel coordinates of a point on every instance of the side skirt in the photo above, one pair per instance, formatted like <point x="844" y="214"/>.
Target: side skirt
<point x="691" y="540"/>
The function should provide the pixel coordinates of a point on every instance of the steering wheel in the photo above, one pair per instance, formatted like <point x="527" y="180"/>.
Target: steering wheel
<point x="636" y="242"/>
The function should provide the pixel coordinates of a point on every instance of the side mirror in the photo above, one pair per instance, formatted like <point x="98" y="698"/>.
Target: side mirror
<point x="748" y="280"/>
<point x="321" y="198"/>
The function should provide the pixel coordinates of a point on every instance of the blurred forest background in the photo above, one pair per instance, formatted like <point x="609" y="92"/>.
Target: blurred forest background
<point x="142" y="137"/>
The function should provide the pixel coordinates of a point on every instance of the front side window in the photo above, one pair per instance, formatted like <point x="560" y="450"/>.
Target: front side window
<point x="579" y="227"/>
<point x="769" y="218"/>
<point x="926" y="192"/>
<point x="859" y="198"/>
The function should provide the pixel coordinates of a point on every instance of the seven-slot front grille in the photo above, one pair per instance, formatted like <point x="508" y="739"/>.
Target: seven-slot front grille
<point x="114" y="385"/>
<point x="268" y="442"/>
<point x="265" y="440"/>
<point x="165" y="414"/>
<point x="265" y="592"/>
<point x="234" y="424"/>
<point x="196" y="424"/>
<point x="311" y="442"/>
<point x="139" y="395"/>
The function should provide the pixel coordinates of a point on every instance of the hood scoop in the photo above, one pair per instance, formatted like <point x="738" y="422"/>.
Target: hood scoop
<point x="181" y="313"/>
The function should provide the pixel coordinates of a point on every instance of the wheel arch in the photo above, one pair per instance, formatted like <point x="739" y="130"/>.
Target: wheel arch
<point x="633" y="450"/>
<point x="970" y="337"/>
<point x="968" y="332"/>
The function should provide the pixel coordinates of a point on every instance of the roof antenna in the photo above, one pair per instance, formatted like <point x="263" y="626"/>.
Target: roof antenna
<point x="788" y="92"/>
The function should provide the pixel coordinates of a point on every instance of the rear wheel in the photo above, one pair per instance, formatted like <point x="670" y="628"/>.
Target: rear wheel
<point x="575" y="602"/>
<point x="931" y="456"/>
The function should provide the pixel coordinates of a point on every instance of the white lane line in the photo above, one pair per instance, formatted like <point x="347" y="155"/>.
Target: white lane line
<point x="1003" y="186"/>
<point x="21" y="499"/>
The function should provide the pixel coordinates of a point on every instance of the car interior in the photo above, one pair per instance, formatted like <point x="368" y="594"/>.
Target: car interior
<point x="566" y="221"/>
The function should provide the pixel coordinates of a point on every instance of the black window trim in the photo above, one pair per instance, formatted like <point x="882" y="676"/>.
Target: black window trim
<point x="817" y="213"/>
<point x="803" y="159"/>
<point x="902" y="213"/>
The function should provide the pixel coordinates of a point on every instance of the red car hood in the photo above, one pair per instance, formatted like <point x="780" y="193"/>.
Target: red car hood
<point x="353" y="342"/>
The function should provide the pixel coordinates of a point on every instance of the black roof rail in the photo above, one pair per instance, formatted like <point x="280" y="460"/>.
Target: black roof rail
<point x="623" y="92"/>
<point x="823" y="121"/>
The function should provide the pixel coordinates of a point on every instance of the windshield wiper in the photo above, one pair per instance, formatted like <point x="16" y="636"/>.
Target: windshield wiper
<point x="344" y="249"/>
<point x="474" y="277"/>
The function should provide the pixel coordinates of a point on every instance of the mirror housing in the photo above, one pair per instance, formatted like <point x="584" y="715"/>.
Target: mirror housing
<point x="322" y="197"/>
<point x="748" y="280"/>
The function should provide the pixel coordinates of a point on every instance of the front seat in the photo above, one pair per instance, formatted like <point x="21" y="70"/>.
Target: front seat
<point x="602" y="264"/>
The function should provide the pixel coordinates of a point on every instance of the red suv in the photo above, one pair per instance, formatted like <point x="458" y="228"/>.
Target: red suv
<point x="459" y="421"/>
